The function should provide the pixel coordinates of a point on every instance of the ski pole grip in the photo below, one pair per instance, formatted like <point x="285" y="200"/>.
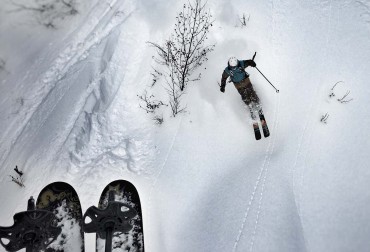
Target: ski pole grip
<point x="254" y="55"/>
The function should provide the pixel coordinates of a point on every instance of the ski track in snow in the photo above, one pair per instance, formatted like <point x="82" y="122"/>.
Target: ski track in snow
<point x="91" y="92"/>
<point x="73" y="54"/>
<point x="261" y="177"/>
<point x="270" y="150"/>
<point x="51" y="88"/>
<point x="155" y="181"/>
<point x="308" y="129"/>
<point x="298" y="173"/>
<point x="250" y="203"/>
<point x="259" y="207"/>
<point x="263" y="173"/>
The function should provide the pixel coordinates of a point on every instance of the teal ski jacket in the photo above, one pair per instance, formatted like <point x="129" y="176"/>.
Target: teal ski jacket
<point x="236" y="74"/>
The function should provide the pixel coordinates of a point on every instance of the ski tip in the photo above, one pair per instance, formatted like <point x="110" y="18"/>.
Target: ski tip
<point x="258" y="137"/>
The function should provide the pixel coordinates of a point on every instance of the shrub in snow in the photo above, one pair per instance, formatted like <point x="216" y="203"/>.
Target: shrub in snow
<point x="158" y="119"/>
<point x="184" y="52"/>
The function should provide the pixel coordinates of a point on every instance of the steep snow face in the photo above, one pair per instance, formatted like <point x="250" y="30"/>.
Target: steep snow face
<point x="70" y="112"/>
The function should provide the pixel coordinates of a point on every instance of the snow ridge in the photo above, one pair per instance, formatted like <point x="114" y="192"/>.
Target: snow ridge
<point x="49" y="91"/>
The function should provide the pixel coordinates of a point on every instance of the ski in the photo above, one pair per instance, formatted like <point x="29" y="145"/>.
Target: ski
<point x="62" y="200"/>
<point x="265" y="129"/>
<point x="117" y="220"/>
<point x="257" y="132"/>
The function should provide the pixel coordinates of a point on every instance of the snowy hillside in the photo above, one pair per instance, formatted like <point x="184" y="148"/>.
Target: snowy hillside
<point x="70" y="112"/>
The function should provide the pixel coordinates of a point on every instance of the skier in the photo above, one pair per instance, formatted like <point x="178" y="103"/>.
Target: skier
<point x="236" y="71"/>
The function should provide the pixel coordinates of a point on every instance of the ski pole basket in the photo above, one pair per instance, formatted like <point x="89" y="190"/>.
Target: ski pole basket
<point x="32" y="229"/>
<point x="116" y="217"/>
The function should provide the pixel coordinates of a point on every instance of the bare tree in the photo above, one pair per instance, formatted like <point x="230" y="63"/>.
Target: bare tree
<point x="49" y="12"/>
<point x="185" y="51"/>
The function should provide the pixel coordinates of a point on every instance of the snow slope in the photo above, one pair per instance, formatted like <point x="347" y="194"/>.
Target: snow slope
<point x="70" y="113"/>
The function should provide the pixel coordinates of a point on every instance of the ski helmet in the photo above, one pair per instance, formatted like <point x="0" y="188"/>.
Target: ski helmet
<point x="233" y="62"/>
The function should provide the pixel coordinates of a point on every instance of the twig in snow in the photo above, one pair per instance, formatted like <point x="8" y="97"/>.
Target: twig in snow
<point x="156" y="75"/>
<point x="18" y="181"/>
<point x="342" y="100"/>
<point x="243" y="20"/>
<point x="158" y="119"/>
<point x="336" y="85"/>
<point x="332" y="89"/>
<point x="324" y="118"/>
<point x="20" y="173"/>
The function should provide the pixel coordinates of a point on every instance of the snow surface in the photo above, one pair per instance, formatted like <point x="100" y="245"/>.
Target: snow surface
<point x="69" y="112"/>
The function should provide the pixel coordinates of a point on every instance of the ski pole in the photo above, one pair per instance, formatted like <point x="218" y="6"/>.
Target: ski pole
<point x="277" y="90"/>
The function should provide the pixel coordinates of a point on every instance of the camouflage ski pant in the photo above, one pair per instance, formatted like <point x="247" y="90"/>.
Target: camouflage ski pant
<point x="249" y="96"/>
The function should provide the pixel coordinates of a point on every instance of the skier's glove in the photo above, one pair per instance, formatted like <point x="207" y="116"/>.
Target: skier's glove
<point x="252" y="63"/>
<point x="222" y="89"/>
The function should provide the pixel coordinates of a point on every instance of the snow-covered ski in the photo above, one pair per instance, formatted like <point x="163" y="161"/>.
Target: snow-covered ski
<point x="117" y="220"/>
<point x="54" y="223"/>
<point x="62" y="200"/>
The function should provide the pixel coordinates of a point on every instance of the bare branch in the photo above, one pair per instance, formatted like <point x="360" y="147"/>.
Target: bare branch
<point x="18" y="181"/>
<point x="336" y="85"/>
<point x="150" y="104"/>
<point x="342" y="100"/>
<point x="243" y="20"/>
<point x="324" y="118"/>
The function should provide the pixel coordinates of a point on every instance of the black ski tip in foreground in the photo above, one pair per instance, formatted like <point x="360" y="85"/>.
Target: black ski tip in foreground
<point x="62" y="200"/>
<point x="121" y="198"/>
